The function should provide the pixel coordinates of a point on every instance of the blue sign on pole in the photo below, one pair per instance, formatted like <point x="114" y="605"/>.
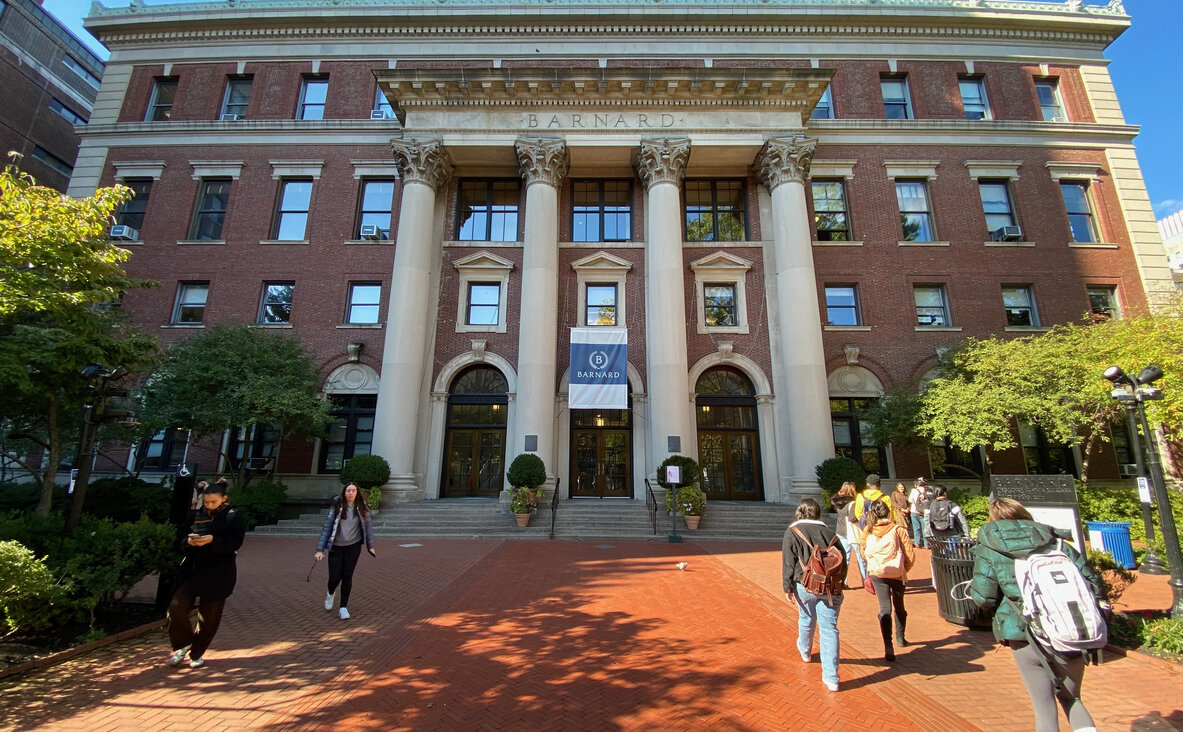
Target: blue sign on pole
<point x="599" y="369"/>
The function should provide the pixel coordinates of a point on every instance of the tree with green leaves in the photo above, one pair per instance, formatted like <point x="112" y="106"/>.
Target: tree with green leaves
<point x="60" y="278"/>
<point x="236" y="377"/>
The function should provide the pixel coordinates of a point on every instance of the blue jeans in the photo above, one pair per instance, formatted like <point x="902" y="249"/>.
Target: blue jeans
<point x="918" y="537"/>
<point x="858" y="556"/>
<point x="815" y="611"/>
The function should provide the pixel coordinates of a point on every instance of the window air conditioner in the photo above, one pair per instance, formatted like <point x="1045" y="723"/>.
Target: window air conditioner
<point x="1128" y="470"/>
<point x="379" y="114"/>
<point x="259" y="463"/>
<point x="1007" y="233"/>
<point x="232" y="117"/>
<point x="372" y="232"/>
<point x="124" y="233"/>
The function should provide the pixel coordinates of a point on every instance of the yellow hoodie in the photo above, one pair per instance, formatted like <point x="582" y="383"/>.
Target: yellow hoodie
<point x="874" y="494"/>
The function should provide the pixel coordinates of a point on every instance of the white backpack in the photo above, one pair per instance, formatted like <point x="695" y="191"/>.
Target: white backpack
<point x="1058" y="603"/>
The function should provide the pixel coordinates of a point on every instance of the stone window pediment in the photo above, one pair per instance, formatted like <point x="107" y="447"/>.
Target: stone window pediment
<point x="485" y="270"/>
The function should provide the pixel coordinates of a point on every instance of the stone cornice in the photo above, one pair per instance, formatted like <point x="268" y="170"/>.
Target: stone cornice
<point x="663" y="161"/>
<point x="784" y="160"/>
<point x="543" y="160"/>
<point x="422" y="161"/>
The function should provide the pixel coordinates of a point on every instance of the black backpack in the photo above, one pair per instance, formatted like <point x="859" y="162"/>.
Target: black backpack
<point x="941" y="514"/>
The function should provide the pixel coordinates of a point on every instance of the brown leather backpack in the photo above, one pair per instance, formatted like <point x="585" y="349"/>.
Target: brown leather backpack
<point x="822" y="574"/>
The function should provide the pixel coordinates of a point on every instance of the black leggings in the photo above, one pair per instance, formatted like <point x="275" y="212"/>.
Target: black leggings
<point x="890" y="593"/>
<point x="209" y="616"/>
<point x="342" y="562"/>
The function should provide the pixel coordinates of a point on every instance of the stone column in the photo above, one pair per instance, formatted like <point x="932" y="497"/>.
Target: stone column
<point x="424" y="167"/>
<point x="661" y="165"/>
<point x="544" y="164"/>
<point x="783" y="165"/>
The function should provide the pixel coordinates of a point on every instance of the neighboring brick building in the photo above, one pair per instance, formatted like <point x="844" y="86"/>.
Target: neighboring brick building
<point x="50" y="81"/>
<point x="789" y="205"/>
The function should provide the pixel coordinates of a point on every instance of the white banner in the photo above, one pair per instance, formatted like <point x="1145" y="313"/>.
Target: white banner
<point x="599" y="369"/>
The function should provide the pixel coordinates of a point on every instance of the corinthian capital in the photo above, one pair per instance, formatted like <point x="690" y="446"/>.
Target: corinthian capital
<point x="783" y="160"/>
<point x="663" y="161"/>
<point x="543" y="160"/>
<point x="422" y="161"/>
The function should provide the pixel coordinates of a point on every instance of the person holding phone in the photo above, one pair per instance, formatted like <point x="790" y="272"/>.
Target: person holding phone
<point x="208" y="575"/>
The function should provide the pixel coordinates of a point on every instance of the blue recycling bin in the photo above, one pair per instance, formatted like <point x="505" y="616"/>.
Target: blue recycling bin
<point x="1113" y="537"/>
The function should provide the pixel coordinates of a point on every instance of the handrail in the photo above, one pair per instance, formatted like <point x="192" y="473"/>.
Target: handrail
<point x="554" y="506"/>
<point x="651" y="504"/>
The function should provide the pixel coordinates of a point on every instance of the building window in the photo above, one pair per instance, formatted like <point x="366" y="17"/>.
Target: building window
<point x="82" y="71"/>
<point x="850" y="434"/>
<point x="1019" y="302"/>
<point x="915" y="214"/>
<point x="996" y="204"/>
<point x="1080" y="211"/>
<point x="932" y="306"/>
<point x="291" y="220"/>
<point x="601" y="210"/>
<point x="715" y="210"/>
<point x="896" y="102"/>
<point x="488" y="210"/>
<point x="601" y="304"/>
<point x="825" y="106"/>
<point x="719" y="305"/>
<point x="351" y="433"/>
<point x="364" y="300"/>
<point x="276" y="307"/>
<point x="973" y="98"/>
<point x="377" y="201"/>
<point x="829" y="211"/>
<point x="1123" y="449"/>
<point x="484" y="303"/>
<point x="312" y="97"/>
<point x="842" y="307"/>
<point x="382" y="105"/>
<point x="163" y="451"/>
<point x="132" y="212"/>
<point x="238" y="93"/>
<point x="53" y="161"/>
<point x="1042" y="456"/>
<point x="212" y="201"/>
<point x="70" y="115"/>
<point x="256" y="444"/>
<point x="1048" y="92"/>
<point x="190" y="305"/>
<point x="950" y="462"/>
<point x="1103" y="302"/>
<point x="160" y="108"/>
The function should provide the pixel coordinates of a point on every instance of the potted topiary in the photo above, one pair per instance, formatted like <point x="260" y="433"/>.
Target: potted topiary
<point x="691" y="501"/>
<point x="521" y="506"/>
<point x="369" y="473"/>
<point x="527" y="471"/>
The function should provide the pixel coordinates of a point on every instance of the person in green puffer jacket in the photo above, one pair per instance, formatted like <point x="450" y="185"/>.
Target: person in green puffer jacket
<point x="1011" y="533"/>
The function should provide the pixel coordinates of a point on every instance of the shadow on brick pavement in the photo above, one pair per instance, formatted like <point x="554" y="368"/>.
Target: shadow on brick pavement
<point x="549" y="635"/>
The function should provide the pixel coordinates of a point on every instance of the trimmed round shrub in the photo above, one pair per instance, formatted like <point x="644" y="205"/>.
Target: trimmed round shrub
<point x="832" y="473"/>
<point x="365" y="471"/>
<point x="691" y="474"/>
<point x="526" y="471"/>
<point x="258" y="502"/>
<point x="27" y="587"/>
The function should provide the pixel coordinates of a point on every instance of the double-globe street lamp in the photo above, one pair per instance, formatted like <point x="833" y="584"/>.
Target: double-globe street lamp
<point x="1133" y="392"/>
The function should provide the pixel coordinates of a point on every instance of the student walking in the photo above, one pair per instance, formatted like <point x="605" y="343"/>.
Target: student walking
<point x="1011" y="535"/>
<point x="889" y="554"/>
<point x="346" y="526"/>
<point x="872" y="494"/>
<point x="812" y="570"/>
<point x="944" y="518"/>
<point x="208" y="575"/>
<point x="899" y="504"/>
<point x="918" y="501"/>
<point x="847" y="528"/>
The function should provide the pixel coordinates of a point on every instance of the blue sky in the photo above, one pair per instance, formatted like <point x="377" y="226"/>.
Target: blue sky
<point x="1148" y="77"/>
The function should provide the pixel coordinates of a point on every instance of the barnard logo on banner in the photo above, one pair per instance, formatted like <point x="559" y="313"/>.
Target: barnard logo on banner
<point x="599" y="369"/>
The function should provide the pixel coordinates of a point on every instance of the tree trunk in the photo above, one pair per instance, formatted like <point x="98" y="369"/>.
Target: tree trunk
<point x="45" y="503"/>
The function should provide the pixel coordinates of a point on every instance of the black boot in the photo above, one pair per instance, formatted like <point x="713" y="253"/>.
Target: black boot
<point x="900" y="625"/>
<point x="885" y="630"/>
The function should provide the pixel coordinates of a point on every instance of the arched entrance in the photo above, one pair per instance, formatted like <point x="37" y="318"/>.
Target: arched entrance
<point x="474" y="455"/>
<point x="601" y="453"/>
<point x="728" y="436"/>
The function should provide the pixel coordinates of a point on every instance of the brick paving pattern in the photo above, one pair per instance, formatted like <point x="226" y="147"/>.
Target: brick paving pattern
<point x="453" y="635"/>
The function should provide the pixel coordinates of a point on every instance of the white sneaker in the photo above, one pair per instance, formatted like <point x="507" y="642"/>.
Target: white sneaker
<point x="343" y="614"/>
<point x="196" y="662"/>
<point x="328" y="602"/>
<point x="178" y="656"/>
<point x="831" y="685"/>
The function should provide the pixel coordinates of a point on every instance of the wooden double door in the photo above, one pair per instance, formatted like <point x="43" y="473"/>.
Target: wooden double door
<point x="601" y="454"/>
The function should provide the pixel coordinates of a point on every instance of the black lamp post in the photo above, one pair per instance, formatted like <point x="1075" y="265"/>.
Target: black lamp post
<point x="99" y="389"/>
<point x="1133" y="392"/>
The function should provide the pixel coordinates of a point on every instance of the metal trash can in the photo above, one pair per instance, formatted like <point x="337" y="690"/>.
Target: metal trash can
<point x="953" y="564"/>
<point x="1113" y="537"/>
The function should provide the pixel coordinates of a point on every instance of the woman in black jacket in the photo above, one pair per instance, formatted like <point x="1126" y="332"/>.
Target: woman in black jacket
<point x="208" y="575"/>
